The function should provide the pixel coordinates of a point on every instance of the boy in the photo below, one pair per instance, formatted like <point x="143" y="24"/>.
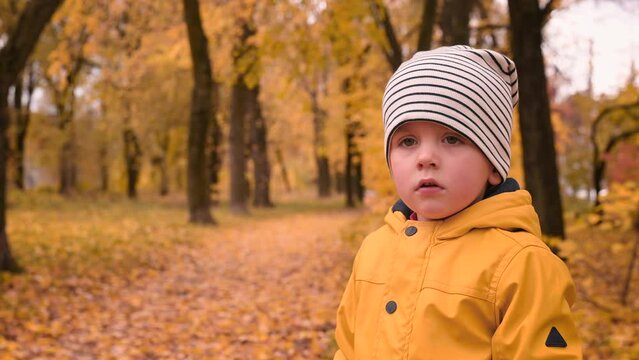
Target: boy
<point x="458" y="271"/>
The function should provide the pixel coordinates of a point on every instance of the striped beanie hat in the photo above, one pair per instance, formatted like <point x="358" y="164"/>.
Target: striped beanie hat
<point x="472" y="91"/>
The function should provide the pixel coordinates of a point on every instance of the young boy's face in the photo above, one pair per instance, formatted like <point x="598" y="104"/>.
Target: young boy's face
<point x="437" y="171"/>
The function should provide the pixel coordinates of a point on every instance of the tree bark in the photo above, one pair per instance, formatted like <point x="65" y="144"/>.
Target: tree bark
<point x="349" y="136"/>
<point x="133" y="161"/>
<point x="103" y="158"/>
<point x="238" y="148"/>
<point x="201" y="116"/>
<point x="13" y="56"/>
<point x="283" y="171"/>
<point x="319" y="147"/>
<point x="340" y="182"/>
<point x="261" y="165"/>
<point x="488" y="30"/>
<point x="324" y="176"/>
<point x="350" y="168"/>
<point x="353" y="129"/>
<point x="429" y="14"/>
<point x="454" y="22"/>
<point x="392" y="48"/>
<point x="162" y="164"/>
<point x="164" y="178"/>
<point x="215" y="158"/>
<point x="65" y="104"/>
<point x="537" y="134"/>
<point x="64" y="97"/>
<point x="358" y="178"/>
<point x="23" y="119"/>
<point x="18" y="110"/>
<point x="68" y="168"/>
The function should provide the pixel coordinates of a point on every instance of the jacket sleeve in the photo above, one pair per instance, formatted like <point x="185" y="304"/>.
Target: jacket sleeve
<point x="345" y="328"/>
<point x="533" y="300"/>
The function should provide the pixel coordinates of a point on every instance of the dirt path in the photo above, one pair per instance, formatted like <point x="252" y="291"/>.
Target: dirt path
<point x="264" y="290"/>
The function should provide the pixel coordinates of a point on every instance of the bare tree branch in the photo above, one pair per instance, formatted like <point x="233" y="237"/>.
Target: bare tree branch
<point x="392" y="50"/>
<point x="429" y="13"/>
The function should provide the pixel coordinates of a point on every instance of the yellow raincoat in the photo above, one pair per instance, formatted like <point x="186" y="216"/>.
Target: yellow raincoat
<point x="478" y="285"/>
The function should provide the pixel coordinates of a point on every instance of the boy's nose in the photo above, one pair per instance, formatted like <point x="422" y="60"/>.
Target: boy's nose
<point x="427" y="156"/>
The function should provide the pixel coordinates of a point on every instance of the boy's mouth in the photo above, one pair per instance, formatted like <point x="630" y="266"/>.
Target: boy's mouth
<point x="427" y="184"/>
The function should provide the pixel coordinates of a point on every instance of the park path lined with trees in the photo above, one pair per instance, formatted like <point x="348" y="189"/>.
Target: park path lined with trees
<point x="276" y="88"/>
<point x="257" y="289"/>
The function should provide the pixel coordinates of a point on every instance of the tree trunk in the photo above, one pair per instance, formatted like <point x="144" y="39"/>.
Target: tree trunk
<point x="352" y="130"/>
<point x="358" y="178"/>
<point x="64" y="98"/>
<point x="19" y="112"/>
<point x="429" y="14"/>
<point x="103" y="155"/>
<point x="162" y="164"/>
<point x="537" y="134"/>
<point x="392" y="48"/>
<point x="240" y="98"/>
<point x="283" y="171"/>
<point x="349" y="187"/>
<point x="201" y="115"/>
<point x="133" y="161"/>
<point x="65" y="107"/>
<point x="22" y="124"/>
<point x="324" y="176"/>
<point x="320" y="148"/>
<point x="454" y="22"/>
<point x="261" y="165"/>
<point x="598" y="173"/>
<point x="18" y="45"/>
<point x="7" y="263"/>
<point x="68" y="168"/>
<point x="237" y="148"/>
<point x="164" y="177"/>
<point x="340" y="183"/>
<point x="489" y="32"/>
<point x="349" y="135"/>
<point x="215" y="159"/>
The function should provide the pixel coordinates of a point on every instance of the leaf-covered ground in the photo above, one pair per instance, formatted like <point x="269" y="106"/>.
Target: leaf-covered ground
<point x="113" y="279"/>
<point x="600" y="262"/>
<point x="133" y="282"/>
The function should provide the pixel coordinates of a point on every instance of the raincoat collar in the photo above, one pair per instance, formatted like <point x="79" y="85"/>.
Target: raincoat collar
<point x="504" y="207"/>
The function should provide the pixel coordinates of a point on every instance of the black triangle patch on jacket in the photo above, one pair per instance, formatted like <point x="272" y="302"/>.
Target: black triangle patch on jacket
<point x="555" y="339"/>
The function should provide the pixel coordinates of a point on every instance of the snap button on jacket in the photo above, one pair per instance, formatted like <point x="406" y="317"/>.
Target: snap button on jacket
<point x="478" y="285"/>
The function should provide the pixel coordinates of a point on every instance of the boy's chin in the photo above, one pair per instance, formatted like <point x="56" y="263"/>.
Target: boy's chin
<point x="433" y="215"/>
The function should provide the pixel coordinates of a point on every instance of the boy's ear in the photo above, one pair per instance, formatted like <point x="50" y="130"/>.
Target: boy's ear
<point x="494" y="178"/>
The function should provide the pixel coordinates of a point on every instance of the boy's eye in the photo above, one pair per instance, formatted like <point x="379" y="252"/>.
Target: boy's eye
<point x="451" y="139"/>
<point x="407" y="141"/>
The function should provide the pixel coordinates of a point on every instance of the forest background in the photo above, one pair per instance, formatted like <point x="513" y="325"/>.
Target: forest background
<point x="143" y="142"/>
